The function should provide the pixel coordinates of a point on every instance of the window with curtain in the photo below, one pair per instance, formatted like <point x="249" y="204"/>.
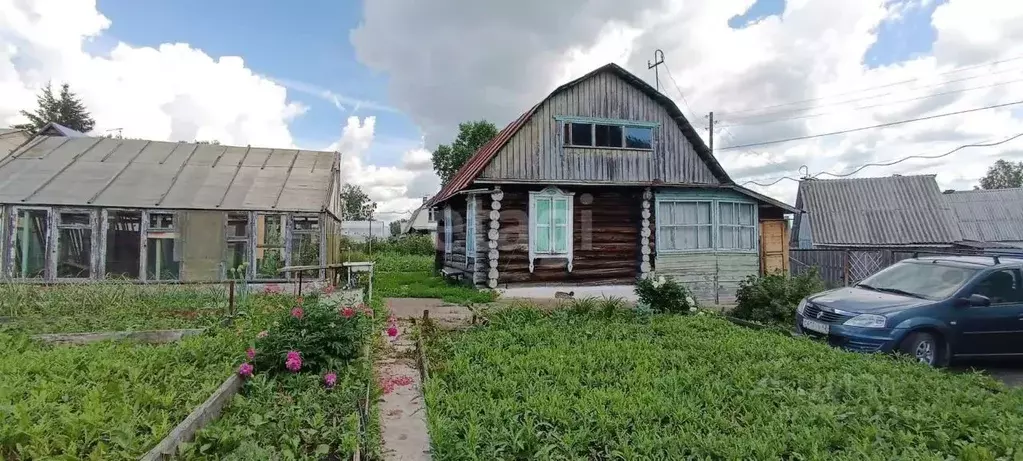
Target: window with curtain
<point x="550" y="225"/>
<point x="685" y="225"/>
<point x="470" y="229"/>
<point x="447" y="229"/>
<point x="736" y="226"/>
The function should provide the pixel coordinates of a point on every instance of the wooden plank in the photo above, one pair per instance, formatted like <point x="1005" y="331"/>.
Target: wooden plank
<point x="199" y="417"/>
<point x="147" y="337"/>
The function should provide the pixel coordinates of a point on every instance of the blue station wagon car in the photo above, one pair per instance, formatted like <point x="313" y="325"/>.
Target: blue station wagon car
<point x="933" y="308"/>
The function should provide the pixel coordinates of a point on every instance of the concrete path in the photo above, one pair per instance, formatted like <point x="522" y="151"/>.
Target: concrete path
<point x="402" y="409"/>
<point x="444" y="315"/>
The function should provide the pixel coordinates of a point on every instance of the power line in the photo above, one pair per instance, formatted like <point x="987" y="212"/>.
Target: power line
<point x="672" y="77"/>
<point x="884" y="164"/>
<point x="934" y="95"/>
<point x="954" y="71"/>
<point x="882" y="125"/>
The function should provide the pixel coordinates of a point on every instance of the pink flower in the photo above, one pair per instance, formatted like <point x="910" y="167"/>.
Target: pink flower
<point x="250" y="353"/>
<point x="272" y="288"/>
<point x="245" y="371"/>
<point x="392" y="331"/>
<point x="347" y="312"/>
<point x="328" y="289"/>
<point x="293" y="362"/>
<point x="262" y="334"/>
<point x="297" y="313"/>
<point x="330" y="379"/>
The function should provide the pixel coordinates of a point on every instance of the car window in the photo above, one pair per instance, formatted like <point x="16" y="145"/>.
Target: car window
<point x="926" y="280"/>
<point x="1001" y="287"/>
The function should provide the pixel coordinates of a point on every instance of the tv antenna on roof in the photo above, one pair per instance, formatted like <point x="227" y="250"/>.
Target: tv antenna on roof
<point x="658" y="60"/>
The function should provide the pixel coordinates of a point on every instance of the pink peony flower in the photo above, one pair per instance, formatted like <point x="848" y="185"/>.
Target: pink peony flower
<point x="347" y="312"/>
<point x="262" y="334"/>
<point x="245" y="371"/>
<point x="392" y="331"/>
<point x="328" y="289"/>
<point x="293" y="362"/>
<point x="330" y="379"/>
<point x="297" y="313"/>
<point x="250" y="353"/>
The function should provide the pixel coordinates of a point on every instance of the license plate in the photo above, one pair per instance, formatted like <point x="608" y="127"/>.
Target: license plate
<point x="816" y="326"/>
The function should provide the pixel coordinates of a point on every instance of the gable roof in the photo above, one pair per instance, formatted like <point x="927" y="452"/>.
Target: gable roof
<point x="134" y="173"/>
<point x="894" y="210"/>
<point x="56" y="129"/>
<point x="472" y="168"/>
<point x="994" y="215"/>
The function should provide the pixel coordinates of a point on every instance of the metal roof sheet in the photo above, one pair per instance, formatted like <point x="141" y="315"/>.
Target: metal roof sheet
<point x="131" y="173"/>
<point x="479" y="160"/>
<point x="894" y="210"/>
<point x="11" y="139"/>
<point x="994" y="215"/>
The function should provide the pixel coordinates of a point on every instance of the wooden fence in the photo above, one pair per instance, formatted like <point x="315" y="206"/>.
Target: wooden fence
<point x="844" y="267"/>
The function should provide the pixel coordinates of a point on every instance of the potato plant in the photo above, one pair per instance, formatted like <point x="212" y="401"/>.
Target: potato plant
<point x="569" y="386"/>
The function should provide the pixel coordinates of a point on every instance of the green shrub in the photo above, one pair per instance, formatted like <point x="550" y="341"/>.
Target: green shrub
<point x="665" y="295"/>
<point x="320" y="333"/>
<point x="772" y="298"/>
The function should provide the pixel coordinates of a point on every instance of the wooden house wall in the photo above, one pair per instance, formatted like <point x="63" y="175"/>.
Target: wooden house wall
<point x="605" y="239"/>
<point x="535" y="153"/>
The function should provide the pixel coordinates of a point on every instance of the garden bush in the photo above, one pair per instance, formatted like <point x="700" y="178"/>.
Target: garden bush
<point x="772" y="298"/>
<point x="531" y="385"/>
<point x="664" y="295"/>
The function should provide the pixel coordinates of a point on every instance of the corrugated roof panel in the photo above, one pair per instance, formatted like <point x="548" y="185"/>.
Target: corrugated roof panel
<point x="896" y="210"/>
<point x="324" y="160"/>
<point x="143" y="174"/>
<point x="994" y="215"/>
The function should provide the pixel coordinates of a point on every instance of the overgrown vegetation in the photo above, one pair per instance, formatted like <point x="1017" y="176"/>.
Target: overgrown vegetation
<point x="103" y="400"/>
<point x="772" y="298"/>
<point x="407" y="245"/>
<point x="532" y="385"/>
<point x="404" y="276"/>
<point x="665" y="295"/>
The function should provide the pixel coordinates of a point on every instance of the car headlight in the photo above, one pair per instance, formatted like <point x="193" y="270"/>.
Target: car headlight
<point x="867" y="321"/>
<point x="801" y="307"/>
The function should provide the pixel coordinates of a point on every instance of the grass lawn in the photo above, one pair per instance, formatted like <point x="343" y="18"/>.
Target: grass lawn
<point x="579" y="386"/>
<point x="409" y="276"/>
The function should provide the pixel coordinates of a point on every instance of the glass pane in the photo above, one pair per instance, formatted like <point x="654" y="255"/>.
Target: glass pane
<point x="704" y="236"/>
<point x="560" y="239"/>
<point x="746" y="214"/>
<point x="161" y="221"/>
<point x="608" y="135"/>
<point x="74" y="247"/>
<point x="703" y="212"/>
<point x="560" y="212"/>
<point x="305" y="251"/>
<point x="237" y="225"/>
<point x="542" y="239"/>
<point x="123" y="244"/>
<point x="160" y="263"/>
<point x="685" y="213"/>
<point x="269" y="262"/>
<point x="688" y="240"/>
<point x="727" y="213"/>
<point x="664" y="216"/>
<point x="728" y="237"/>
<point x="639" y="138"/>
<point x="81" y="219"/>
<point x="668" y="236"/>
<point x="306" y="222"/>
<point x="582" y="134"/>
<point x="269" y="246"/>
<point x="543" y="211"/>
<point x="30" y="244"/>
<point x="237" y="257"/>
<point x="746" y="238"/>
<point x="567" y="134"/>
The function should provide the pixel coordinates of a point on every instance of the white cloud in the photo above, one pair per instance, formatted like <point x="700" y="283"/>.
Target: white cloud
<point x="506" y="60"/>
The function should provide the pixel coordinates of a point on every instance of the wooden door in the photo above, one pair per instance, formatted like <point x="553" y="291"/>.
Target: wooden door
<point x="774" y="246"/>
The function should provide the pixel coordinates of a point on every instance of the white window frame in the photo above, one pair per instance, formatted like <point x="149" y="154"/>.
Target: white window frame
<point x="736" y="206"/>
<point x="566" y="121"/>
<point x="470" y="229"/>
<point x="447" y="229"/>
<point x="715" y="225"/>
<point x="551" y="193"/>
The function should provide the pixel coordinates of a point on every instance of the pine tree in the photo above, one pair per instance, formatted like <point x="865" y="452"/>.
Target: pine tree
<point x="67" y="110"/>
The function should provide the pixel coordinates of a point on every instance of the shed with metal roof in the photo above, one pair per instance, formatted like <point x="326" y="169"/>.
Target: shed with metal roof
<point x="991" y="216"/>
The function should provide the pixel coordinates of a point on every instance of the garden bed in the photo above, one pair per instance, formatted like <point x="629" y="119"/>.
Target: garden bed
<point x="532" y="385"/>
<point x="103" y="400"/>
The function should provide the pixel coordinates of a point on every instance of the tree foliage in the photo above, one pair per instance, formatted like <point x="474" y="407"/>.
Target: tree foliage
<point x="448" y="158"/>
<point x="66" y="109"/>
<point x="357" y="205"/>
<point x="1002" y="175"/>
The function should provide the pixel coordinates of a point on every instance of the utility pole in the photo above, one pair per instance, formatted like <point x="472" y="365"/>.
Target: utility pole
<point x="711" y="137"/>
<point x="658" y="60"/>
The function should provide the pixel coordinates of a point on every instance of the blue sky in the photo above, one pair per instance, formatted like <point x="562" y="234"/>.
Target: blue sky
<point x="309" y="44"/>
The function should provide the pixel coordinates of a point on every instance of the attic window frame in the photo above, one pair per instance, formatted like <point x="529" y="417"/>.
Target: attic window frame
<point x="564" y="124"/>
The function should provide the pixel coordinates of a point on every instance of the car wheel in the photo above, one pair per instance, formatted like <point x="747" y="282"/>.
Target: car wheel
<point x="924" y="347"/>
